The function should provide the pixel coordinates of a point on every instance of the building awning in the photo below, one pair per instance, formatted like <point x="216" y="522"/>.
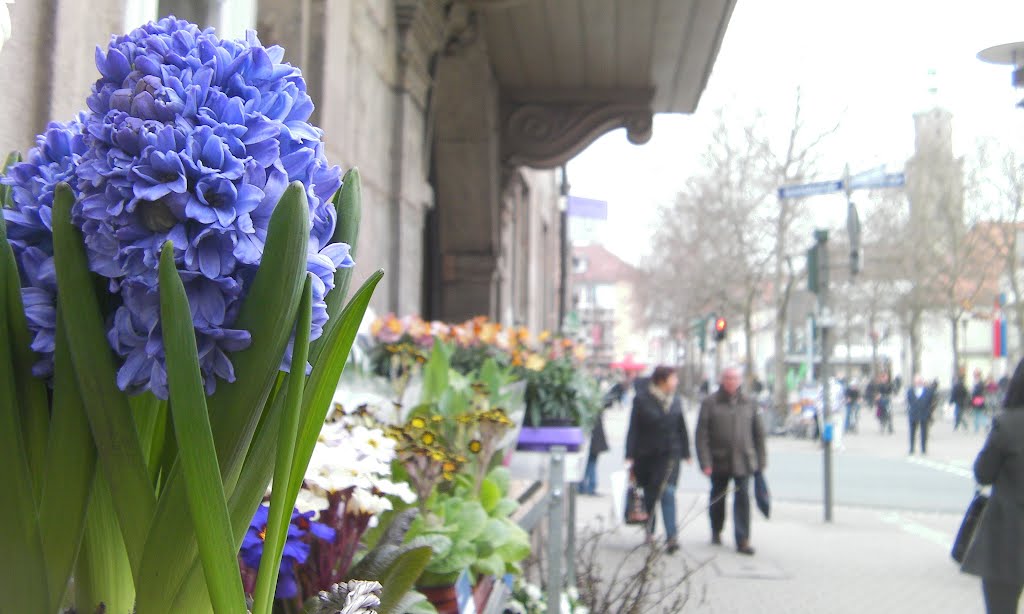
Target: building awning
<point x="571" y="70"/>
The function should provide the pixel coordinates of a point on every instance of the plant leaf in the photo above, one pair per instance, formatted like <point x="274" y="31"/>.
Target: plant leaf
<point x="268" y="313"/>
<point x="207" y="504"/>
<point x="280" y="507"/>
<point x="348" y="203"/>
<point x="32" y="399"/>
<point x="323" y="381"/>
<point x="110" y="417"/>
<point x="22" y="570"/>
<point x="6" y="191"/>
<point x="103" y="574"/>
<point x="68" y="478"/>
<point x="401" y="576"/>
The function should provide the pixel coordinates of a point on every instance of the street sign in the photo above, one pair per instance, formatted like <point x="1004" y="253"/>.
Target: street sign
<point x="810" y="189"/>
<point x="887" y="180"/>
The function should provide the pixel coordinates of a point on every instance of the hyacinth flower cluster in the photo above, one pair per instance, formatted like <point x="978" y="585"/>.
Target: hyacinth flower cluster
<point x="187" y="214"/>
<point x="191" y="139"/>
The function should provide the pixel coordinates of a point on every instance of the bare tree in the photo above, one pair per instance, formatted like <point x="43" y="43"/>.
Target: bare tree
<point x="1005" y="199"/>
<point x="796" y="162"/>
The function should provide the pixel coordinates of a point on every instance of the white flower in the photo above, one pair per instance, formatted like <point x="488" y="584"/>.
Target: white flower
<point x="5" y="22"/>
<point x="574" y="594"/>
<point x="334" y="469"/>
<point x="402" y="490"/>
<point x="533" y="592"/>
<point x="365" y="503"/>
<point x="308" y="501"/>
<point x="374" y="443"/>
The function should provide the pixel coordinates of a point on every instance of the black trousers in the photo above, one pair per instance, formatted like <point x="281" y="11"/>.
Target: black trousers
<point x="1000" y="598"/>
<point x="914" y="426"/>
<point x="740" y="505"/>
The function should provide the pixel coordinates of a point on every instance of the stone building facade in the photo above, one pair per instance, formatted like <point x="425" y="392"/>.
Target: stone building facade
<point x="458" y="114"/>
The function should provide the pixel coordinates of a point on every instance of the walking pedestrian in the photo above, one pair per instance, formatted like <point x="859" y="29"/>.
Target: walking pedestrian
<point x="959" y="398"/>
<point x="598" y="444"/>
<point x="996" y="552"/>
<point x="851" y="395"/>
<point x="656" y="443"/>
<point x="730" y="448"/>
<point x="883" y="391"/>
<point x="978" y="400"/>
<point x="920" y="398"/>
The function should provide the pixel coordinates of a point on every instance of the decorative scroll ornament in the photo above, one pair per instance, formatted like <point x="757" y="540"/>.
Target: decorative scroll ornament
<point x="546" y="135"/>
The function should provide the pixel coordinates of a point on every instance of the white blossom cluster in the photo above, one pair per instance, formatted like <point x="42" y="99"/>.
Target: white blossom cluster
<point x="354" y="460"/>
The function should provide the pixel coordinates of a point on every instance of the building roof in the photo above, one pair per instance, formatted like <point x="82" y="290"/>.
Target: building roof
<point x="602" y="266"/>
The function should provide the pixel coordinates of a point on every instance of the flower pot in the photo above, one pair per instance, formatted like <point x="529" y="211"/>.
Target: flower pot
<point x="542" y="438"/>
<point x="482" y="592"/>
<point x="444" y="598"/>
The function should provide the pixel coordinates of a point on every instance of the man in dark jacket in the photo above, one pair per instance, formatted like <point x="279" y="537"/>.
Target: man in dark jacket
<point x="959" y="397"/>
<point x="919" y="411"/>
<point x="730" y="446"/>
<point x="656" y="442"/>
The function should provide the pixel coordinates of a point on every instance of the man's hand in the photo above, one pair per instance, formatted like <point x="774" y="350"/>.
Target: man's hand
<point x="707" y="471"/>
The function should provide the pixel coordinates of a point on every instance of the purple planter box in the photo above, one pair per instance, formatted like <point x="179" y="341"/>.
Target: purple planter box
<point x="540" y="439"/>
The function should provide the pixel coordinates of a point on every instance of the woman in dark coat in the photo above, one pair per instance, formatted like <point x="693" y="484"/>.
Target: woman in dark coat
<point x="997" y="550"/>
<point x="656" y="443"/>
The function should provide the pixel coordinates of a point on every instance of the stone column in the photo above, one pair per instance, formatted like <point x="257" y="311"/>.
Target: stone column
<point x="467" y="163"/>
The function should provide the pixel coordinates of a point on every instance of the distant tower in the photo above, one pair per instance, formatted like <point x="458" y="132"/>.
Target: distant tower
<point x="935" y="177"/>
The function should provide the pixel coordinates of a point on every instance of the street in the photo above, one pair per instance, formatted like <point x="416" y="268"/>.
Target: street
<point x="886" y="551"/>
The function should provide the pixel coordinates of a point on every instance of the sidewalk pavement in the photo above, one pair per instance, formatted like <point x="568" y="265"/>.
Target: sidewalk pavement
<point x="867" y="561"/>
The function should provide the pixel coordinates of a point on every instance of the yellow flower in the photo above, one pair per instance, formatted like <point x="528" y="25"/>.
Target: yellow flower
<point x="427" y="438"/>
<point x="437" y="419"/>
<point x="580" y="353"/>
<point x="418" y="423"/>
<point x="544" y="336"/>
<point x="535" y="362"/>
<point x="437" y="455"/>
<point x="475" y="446"/>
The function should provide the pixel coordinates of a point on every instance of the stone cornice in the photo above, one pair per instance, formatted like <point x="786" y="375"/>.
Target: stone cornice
<point x="546" y="129"/>
<point x="421" y="31"/>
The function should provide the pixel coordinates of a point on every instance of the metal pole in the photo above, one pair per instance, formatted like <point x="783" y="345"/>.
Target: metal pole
<point x="556" y="516"/>
<point x="826" y="421"/>
<point x="570" y="541"/>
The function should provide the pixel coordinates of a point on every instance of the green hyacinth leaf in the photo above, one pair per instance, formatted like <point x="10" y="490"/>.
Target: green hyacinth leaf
<point x="22" y="568"/>
<point x="207" y="503"/>
<point x="68" y="479"/>
<point x="110" y="416"/>
<point x="6" y="191"/>
<point x="259" y="464"/>
<point x="348" y="203"/>
<point x="323" y="381"/>
<point x="268" y="313"/>
<point x="31" y="392"/>
<point x="279" y="518"/>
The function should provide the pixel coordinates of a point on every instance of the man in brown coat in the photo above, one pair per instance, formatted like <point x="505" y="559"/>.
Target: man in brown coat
<point x="730" y="446"/>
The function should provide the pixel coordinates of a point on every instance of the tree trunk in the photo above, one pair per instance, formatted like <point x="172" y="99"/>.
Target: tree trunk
<point x="914" y="333"/>
<point x="954" y="322"/>
<point x="748" y="333"/>
<point x="782" y="288"/>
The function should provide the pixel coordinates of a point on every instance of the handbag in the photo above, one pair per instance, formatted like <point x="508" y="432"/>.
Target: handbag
<point x="762" y="495"/>
<point x="636" y="513"/>
<point x="967" y="528"/>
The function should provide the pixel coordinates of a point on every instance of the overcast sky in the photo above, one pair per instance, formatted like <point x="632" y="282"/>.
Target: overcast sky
<point x="864" y="64"/>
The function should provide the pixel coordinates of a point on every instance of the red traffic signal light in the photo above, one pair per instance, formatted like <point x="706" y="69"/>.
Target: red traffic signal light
<point x="720" y="328"/>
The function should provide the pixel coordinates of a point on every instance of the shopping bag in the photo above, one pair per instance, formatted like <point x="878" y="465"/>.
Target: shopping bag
<point x="636" y="513"/>
<point x="762" y="495"/>
<point x="968" y="526"/>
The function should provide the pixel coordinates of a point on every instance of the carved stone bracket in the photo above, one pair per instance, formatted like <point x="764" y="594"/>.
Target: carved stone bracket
<point x="546" y="134"/>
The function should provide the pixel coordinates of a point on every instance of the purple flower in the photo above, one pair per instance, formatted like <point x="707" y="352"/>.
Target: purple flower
<point x="30" y="233"/>
<point x="193" y="139"/>
<point x="296" y="551"/>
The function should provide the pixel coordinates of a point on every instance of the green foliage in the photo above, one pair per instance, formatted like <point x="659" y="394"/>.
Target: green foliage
<point x="561" y="392"/>
<point x="482" y="537"/>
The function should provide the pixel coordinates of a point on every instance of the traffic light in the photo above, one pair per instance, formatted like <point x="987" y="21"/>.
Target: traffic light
<point x="720" y="328"/>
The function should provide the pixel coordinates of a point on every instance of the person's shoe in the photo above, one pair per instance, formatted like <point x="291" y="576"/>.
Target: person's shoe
<point x="672" y="546"/>
<point x="716" y="539"/>
<point x="745" y="548"/>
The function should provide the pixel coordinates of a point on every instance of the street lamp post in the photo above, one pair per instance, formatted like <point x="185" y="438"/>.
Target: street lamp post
<point x="1011" y="54"/>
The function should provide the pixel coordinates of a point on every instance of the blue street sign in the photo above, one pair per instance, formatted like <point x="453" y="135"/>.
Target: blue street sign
<point x="588" y="208"/>
<point x="888" y="180"/>
<point x="810" y="189"/>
